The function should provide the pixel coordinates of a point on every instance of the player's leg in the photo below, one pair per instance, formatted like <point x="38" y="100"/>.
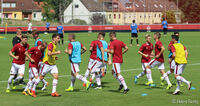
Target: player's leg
<point x="13" y="72"/>
<point x="21" y="69"/>
<point x="96" y="70"/>
<point x="151" y="64"/>
<point x="131" y="42"/>
<point x="137" y="41"/>
<point x="45" y="83"/>
<point x="30" y="83"/>
<point x="54" y="73"/>
<point x="142" y="73"/>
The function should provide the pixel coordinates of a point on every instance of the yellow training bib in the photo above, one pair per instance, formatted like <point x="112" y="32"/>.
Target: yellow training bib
<point x="50" y="59"/>
<point x="180" y="57"/>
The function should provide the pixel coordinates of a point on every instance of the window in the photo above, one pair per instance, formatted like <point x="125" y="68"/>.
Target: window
<point x="13" y="5"/>
<point x="109" y="16"/>
<point x="114" y="16"/>
<point x="5" y="15"/>
<point x="159" y="15"/>
<point x="155" y="15"/>
<point x="15" y="15"/>
<point x="119" y="16"/>
<point x="34" y="15"/>
<point x="76" y="6"/>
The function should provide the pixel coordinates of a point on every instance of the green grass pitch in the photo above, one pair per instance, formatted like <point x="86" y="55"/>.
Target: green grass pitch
<point x="109" y="95"/>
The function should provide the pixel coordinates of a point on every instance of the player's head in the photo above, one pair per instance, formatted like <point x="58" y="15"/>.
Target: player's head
<point x="56" y="38"/>
<point x="35" y="34"/>
<point x="24" y="39"/>
<point x="112" y="35"/>
<point x="71" y="36"/>
<point x="60" y="23"/>
<point x="157" y="35"/>
<point x="101" y="35"/>
<point x="176" y="33"/>
<point x="148" y="38"/>
<point x="133" y="21"/>
<point x="29" y="20"/>
<point x="43" y="46"/>
<point x="164" y="19"/>
<point x="19" y="31"/>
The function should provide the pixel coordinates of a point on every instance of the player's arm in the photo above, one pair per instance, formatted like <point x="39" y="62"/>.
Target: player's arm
<point x="102" y="53"/>
<point x="29" y="57"/>
<point x="13" y="56"/>
<point x="162" y="50"/>
<point x="145" y="55"/>
<point x="68" y="51"/>
<point x="83" y="49"/>
<point x="109" y="59"/>
<point x="50" y="53"/>
<point x="125" y="49"/>
<point x="186" y="52"/>
<point x="63" y="31"/>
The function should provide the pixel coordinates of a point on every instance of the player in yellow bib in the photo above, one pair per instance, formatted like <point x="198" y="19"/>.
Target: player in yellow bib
<point x="49" y="61"/>
<point x="180" y="55"/>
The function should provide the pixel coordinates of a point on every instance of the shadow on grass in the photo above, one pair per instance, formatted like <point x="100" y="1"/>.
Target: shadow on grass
<point x="114" y="91"/>
<point x="180" y="93"/>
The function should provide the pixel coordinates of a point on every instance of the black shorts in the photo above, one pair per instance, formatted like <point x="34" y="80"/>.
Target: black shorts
<point x="61" y="35"/>
<point x="165" y="29"/>
<point x="29" y="32"/>
<point x="47" y="28"/>
<point x="134" y="35"/>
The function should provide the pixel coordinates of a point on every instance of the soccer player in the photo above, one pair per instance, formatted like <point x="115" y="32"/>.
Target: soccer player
<point x="60" y="30"/>
<point x="49" y="61"/>
<point x="29" y="27"/>
<point x="36" y="55"/>
<point x="38" y="42"/>
<point x="47" y="26"/>
<point x="180" y="55"/>
<point x="116" y="47"/>
<point x="134" y="32"/>
<point x="165" y="26"/>
<point x="93" y="56"/>
<point x="75" y="50"/>
<point x="146" y="51"/>
<point x="158" y="61"/>
<point x="17" y="38"/>
<point x="18" y="63"/>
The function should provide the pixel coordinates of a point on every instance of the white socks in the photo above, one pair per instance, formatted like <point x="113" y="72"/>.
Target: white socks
<point x="168" y="72"/>
<point x="18" y="78"/>
<point x="87" y="73"/>
<point x="73" y="79"/>
<point x="117" y="79"/>
<point x="55" y="81"/>
<point x="141" y="74"/>
<point x="44" y="81"/>
<point x="166" y="78"/>
<point x="98" y="79"/>
<point x="29" y="85"/>
<point x="36" y="81"/>
<point x="178" y="85"/>
<point x="179" y="78"/>
<point x="122" y="81"/>
<point x="149" y="77"/>
<point x="81" y="78"/>
<point x="10" y="81"/>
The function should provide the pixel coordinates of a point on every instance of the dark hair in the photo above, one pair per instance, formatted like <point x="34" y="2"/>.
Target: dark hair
<point x="72" y="35"/>
<point x="54" y="35"/>
<point x="44" y="44"/>
<point x="163" y="18"/>
<point x="102" y="33"/>
<point x="176" y="33"/>
<point x="176" y="38"/>
<point x="24" y="36"/>
<point x="173" y="36"/>
<point x="35" y="32"/>
<point x="133" y="21"/>
<point x="158" y="35"/>
<point x="112" y="34"/>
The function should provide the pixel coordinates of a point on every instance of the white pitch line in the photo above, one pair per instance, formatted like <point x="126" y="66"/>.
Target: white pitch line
<point x="127" y="70"/>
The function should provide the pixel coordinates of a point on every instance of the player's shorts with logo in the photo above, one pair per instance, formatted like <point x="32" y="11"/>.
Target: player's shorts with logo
<point x="75" y="67"/>
<point x="49" y="68"/>
<point x="154" y="63"/>
<point x="40" y="65"/>
<point x="33" y="72"/>
<point x="61" y="35"/>
<point x="179" y="68"/>
<point x="116" y="67"/>
<point x="96" y="66"/>
<point x="172" y="64"/>
<point x="17" y="69"/>
<point x="91" y="61"/>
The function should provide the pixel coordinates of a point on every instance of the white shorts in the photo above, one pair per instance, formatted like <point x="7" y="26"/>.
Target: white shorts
<point x="179" y="68"/>
<point x="49" y="68"/>
<point x="96" y="66"/>
<point x="116" y="67"/>
<point x="75" y="67"/>
<point x="17" y="69"/>
<point x="172" y="64"/>
<point x="154" y="63"/>
<point x="33" y="72"/>
<point x="91" y="61"/>
<point x="144" y="65"/>
<point x="40" y="65"/>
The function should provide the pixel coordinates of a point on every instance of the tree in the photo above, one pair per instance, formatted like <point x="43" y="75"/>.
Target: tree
<point x="98" y="19"/>
<point x="170" y="16"/>
<point x="190" y="10"/>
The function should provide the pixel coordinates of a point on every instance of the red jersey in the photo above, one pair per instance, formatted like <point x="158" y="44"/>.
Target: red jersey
<point x="146" y="49"/>
<point x="158" y="46"/>
<point x="170" y="43"/>
<point x="20" y="50"/>
<point x="116" y="46"/>
<point x="36" y="55"/>
<point x="94" y="48"/>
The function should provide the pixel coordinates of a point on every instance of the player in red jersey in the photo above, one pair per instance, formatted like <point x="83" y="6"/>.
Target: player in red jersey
<point x="116" y="47"/>
<point x="146" y="50"/>
<point x="36" y="55"/>
<point x="158" y="61"/>
<point x="93" y="57"/>
<point x="18" y="64"/>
